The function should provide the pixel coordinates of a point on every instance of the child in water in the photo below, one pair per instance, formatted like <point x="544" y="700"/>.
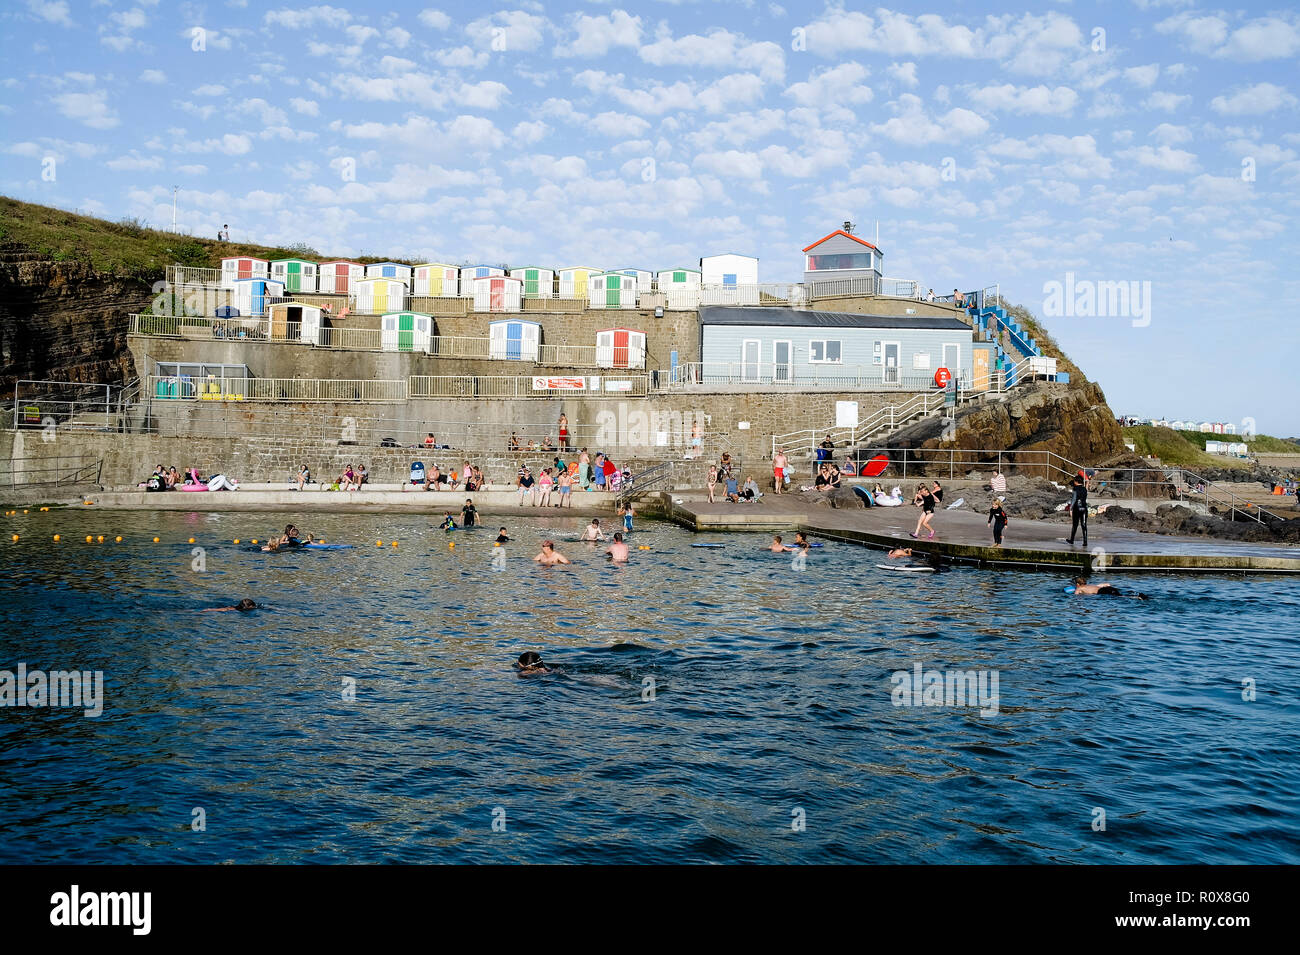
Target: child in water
<point x="448" y="523"/>
<point x="243" y="606"/>
<point x="530" y="664"/>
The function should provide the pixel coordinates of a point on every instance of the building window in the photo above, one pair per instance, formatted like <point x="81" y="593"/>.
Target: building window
<point x="824" y="352"/>
<point x="855" y="260"/>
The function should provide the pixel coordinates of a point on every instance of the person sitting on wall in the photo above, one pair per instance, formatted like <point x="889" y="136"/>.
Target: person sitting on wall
<point x="514" y="442"/>
<point x="363" y="476"/>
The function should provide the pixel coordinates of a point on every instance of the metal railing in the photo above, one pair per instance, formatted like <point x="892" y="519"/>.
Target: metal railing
<point x="519" y="386"/>
<point x="59" y="471"/>
<point x="806" y="441"/>
<point x="214" y="388"/>
<point x="652" y="478"/>
<point x="795" y="377"/>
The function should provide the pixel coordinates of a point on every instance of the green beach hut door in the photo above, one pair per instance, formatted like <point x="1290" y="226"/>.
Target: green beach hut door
<point x="405" y="331"/>
<point x="613" y="291"/>
<point x="293" y="278"/>
<point x="530" y="283"/>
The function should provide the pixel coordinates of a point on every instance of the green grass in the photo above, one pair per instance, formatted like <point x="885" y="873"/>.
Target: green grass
<point x="1176" y="447"/>
<point x="127" y="248"/>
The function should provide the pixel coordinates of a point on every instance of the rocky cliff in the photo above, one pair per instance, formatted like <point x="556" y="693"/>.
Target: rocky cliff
<point x="61" y="320"/>
<point x="1070" y="420"/>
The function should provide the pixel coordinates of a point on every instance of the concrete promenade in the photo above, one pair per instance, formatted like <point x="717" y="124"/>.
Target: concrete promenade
<point x="963" y="537"/>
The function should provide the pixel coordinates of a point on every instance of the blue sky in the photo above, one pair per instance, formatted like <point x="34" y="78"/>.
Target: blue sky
<point x="1150" y="141"/>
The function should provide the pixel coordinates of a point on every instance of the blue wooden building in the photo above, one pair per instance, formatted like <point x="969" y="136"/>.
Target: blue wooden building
<point x="782" y="346"/>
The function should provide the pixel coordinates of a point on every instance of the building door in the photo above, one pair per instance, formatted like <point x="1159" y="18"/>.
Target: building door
<point x="514" y="335"/>
<point x="620" y="348"/>
<point x="614" y="292"/>
<point x="782" y="371"/>
<point x="729" y="279"/>
<point x="293" y="330"/>
<point x="952" y="360"/>
<point x="311" y="326"/>
<point x="293" y="277"/>
<point x="890" y="371"/>
<point x="981" y="370"/>
<point x="497" y="299"/>
<point x="405" y="331"/>
<point x="530" y="283"/>
<point x="750" y="351"/>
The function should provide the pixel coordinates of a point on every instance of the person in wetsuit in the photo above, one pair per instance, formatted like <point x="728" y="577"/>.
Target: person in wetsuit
<point x="1078" y="507"/>
<point x="998" y="518"/>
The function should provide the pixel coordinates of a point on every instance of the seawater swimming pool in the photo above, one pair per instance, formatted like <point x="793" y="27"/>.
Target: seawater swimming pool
<point x="772" y="735"/>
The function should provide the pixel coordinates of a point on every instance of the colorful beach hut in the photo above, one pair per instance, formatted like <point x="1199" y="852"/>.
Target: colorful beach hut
<point x="538" y="283"/>
<point x="406" y="331"/>
<point x="620" y="348"/>
<point x="436" y="280"/>
<point x="295" y="322"/>
<point x="253" y="296"/>
<point x="373" y="296"/>
<point x="496" y="293"/>
<point x="298" y="275"/>
<point x="389" y="270"/>
<point x="644" y="279"/>
<point x="337" y="278"/>
<point x="243" y="267"/>
<point x="471" y="272"/>
<point x="574" y="281"/>
<point x="514" y="340"/>
<point x="612" y="290"/>
<point x="681" y="288"/>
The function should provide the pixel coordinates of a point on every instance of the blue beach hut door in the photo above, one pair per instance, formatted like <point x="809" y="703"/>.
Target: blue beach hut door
<point x="514" y="338"/>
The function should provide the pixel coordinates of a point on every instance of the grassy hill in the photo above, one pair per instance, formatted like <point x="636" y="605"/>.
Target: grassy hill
<point x="1183" y="448"/>
<point x="126" y="248"/>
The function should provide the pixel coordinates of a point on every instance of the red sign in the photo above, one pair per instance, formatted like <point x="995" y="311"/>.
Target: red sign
<point x="560" y="384"/>
<point x="942" y="376"/>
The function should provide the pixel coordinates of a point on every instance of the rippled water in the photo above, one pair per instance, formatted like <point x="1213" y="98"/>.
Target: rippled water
<point x="772" y="704"/>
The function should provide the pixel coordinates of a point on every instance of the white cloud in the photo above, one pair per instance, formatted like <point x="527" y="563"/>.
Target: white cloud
<point x="597" y="35"/>
<point x="541" y="166"/>
<point x="435" y="19"/>
<point x="529" y="132"/>
<point x="1168" y="102"/>
<point x="617" y="124"/>
<point x="1163" y="157"/>
<point x="1144" y="76"/>
<point x="1263" y="38"/>
<point x="463" y="134"/>
<point x="308" y="18"/>
<point x="905" y="73"/>
<point x="1171" y="135"/>
<point x="231" y="144"/>
<point x="308" y="107"/>
<point x="462" y="57"/>
<point x="194" y="169"/>
<point x="90" y="108"/>
<point x="840" y="85"/>
<point x="914" y="126"/>
<point x="135" y="163"/>
<point x="1201" y="34"/>
<point x="507" y="31"/>
<point x="153" y="76"/>
<point x="1019" y="99"/>
<point x="720" y="49"/>
<point x="210" y="89"/>
<point x="51" y="11"/>
<point x="731" y="163"/>
<point x="1253" y="100"/>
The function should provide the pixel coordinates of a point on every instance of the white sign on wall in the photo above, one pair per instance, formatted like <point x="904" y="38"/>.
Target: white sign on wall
<point x="846" y="414"/>
<point x="921" y="361"/>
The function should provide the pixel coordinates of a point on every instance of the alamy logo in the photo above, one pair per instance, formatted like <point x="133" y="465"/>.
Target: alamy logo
<point x="922" y="687"/>
<point x="37" y="688"/>
<point x="75" y="907"/>
<point x="1085" y="298"/>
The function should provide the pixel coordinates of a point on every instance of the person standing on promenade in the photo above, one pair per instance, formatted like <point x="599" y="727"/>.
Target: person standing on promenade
<point x="1078" y="507"/>
<point x="998" y="518"/>
<point x="778" y="469"/>
<point x="925" y="498"/>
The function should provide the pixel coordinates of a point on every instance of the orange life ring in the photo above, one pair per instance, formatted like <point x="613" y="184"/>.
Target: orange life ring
<point x="942" y="376"/>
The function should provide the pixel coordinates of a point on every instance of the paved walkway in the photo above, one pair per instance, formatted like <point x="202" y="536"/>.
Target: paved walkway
<point x="964" y="536"/>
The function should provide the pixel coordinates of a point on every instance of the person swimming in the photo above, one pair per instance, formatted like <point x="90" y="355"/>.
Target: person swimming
<point x="530" y="663"/>
<point x="593" y="531"/>
<point x="618" y="550"/>
<point x="243" y="606"/>
<point x="448" y="523"/>
<point x="502" y="537"/>
<point x="776" y="547"/>
<point x="1083" y="588"/>
<point x="549" y="556"/>
<point x="900" y="552"/>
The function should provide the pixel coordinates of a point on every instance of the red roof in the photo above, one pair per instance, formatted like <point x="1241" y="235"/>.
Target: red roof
<point x="846" y="235"/>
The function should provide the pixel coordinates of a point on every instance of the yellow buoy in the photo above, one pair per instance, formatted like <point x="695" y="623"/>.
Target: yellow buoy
<point x="394" y="543"/>
<point x="24" y="510"/>
<point x="191" y="540"/>
<point x="155" y="540"/>
<point x="254" y="540"/>
<point x="236" y="540"/>
<point x="496" y="543"/>
<point x="89" y="539"/>
<point x="118" y="539"/>
<point x="101" y="538"/>
<point x="379" y="543"/>
<point x="15" y="537"/>
<point x="642" y="546"/>
<point x="44" y="508"/>
<point x="56" y="536"/>
<point x="451" y="545"/>
<point x="88" y="503"/>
